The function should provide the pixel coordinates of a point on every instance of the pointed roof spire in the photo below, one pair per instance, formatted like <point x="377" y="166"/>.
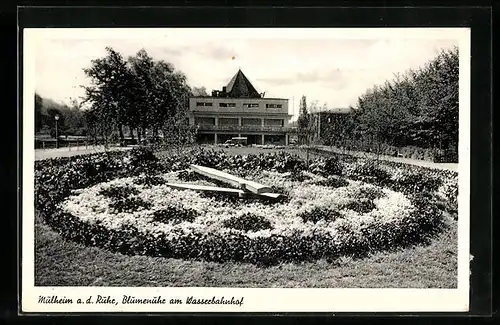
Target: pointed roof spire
<point x="240" y="86"/>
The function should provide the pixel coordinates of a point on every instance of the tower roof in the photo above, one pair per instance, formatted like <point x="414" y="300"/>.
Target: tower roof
<point x="240" y="86"/>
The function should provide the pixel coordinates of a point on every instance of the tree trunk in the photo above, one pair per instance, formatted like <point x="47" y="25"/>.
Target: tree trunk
<point x="307" y="157"/>
<point x="139" y="135"/>
<point x="105" y="139"/>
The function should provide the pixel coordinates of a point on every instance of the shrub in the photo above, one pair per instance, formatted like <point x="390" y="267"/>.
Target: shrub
<point x="360" y="206"/>
<point x="419" y="182"/>
<point x="248" y="222"/>
<point x="448" y="191"/>
<point x="129" y="204"/>
<point x="370" y="192"/>
<point x="327" y="166"/>
<point x="299" y="176"/>
<point x="332" y="182"/>
<point x="119" y="192"/>
<point x="333" y="166"/>
<point x="141" y="157"/>
<point x="370" y="171"/>
<point x="188" y="176"/>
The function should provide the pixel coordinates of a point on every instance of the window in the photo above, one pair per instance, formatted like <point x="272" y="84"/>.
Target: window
<point x="227" y="104"/>
<point x="251" y="121"/>
<point x="203" y="104"/>
<point x="252" y="105"/>
<point x="274" y="106"/>
<point x="228" y="121"/>
<point x="205" y="120"/>
<point x="274" y="122"/>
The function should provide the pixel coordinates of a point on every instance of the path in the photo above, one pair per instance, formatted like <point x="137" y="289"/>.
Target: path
<point x="72" y="151"/>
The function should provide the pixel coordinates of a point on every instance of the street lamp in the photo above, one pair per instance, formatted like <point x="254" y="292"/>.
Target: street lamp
<point x="56" y="117"/>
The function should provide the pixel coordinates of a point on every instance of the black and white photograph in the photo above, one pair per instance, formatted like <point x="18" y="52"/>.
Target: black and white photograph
<point x="245" y="170"/>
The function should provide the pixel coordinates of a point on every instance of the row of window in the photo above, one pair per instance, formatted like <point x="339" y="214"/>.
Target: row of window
<point x="227" y="104"/>
<point x="248" y="105"/>
<point x="234" y="121"/>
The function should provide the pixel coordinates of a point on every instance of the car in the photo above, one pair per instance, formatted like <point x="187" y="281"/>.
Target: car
<point x="236" y="142"/>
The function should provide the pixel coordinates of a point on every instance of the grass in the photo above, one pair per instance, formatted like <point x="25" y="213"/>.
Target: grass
<point x="63" y="263"/>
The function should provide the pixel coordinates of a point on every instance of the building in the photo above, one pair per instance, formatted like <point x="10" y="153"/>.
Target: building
<point x="239" y="110"/>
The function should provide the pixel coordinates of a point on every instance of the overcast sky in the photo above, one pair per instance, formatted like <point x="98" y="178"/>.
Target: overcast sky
<point x="324" y="66"/>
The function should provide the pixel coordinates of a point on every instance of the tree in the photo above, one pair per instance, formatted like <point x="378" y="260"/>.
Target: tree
<point x="141" y="66"/>
<point x="177" y="132"/>
<point x="303" y="121"/>
<point x="159" y="92"/>
<point x="109" y="92"/>
<point x="38" y="113"/>
<point x="417" y="108"/>
<point x="141" y="93"/>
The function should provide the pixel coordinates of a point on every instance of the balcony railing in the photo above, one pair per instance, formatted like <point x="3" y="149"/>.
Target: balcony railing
<point x="243" y="128"/>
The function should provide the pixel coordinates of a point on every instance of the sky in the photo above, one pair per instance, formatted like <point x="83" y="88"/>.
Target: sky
<point x="330" y="66"/>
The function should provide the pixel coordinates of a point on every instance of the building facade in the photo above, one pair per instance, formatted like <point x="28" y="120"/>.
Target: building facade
<point x="238" y="110"/>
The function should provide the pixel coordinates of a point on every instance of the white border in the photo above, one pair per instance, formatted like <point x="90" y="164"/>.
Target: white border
<point x="255" y="300"/>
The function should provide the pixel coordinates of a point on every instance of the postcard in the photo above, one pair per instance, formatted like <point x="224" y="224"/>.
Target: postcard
<point x="245" y="170"/>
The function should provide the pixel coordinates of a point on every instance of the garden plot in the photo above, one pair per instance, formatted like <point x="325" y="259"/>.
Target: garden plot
<point x="122" y="202"/>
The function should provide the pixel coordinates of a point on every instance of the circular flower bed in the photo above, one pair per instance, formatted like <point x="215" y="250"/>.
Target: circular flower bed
<point x="122" y="203"/>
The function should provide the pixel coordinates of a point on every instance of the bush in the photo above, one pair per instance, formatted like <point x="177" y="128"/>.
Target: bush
<point x="175" y="215"/>
<point x="327" y="166"/>
<point x="318" y="214"/>
<point x="149" y="180"/>
<point x="299" y="176"/>
<point x="128" y="204"/>
<point x="332" y="182"/>
<point x="371" y="193"/>
<point x="360" y="206"/>
<point x="333" y="166"/>
<point x="140" y="156"/>
<point x="118" y="192"/>
<point x="188" y="176"/>
<point x="370" y="171"/>
<point x="419" y="182"/>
